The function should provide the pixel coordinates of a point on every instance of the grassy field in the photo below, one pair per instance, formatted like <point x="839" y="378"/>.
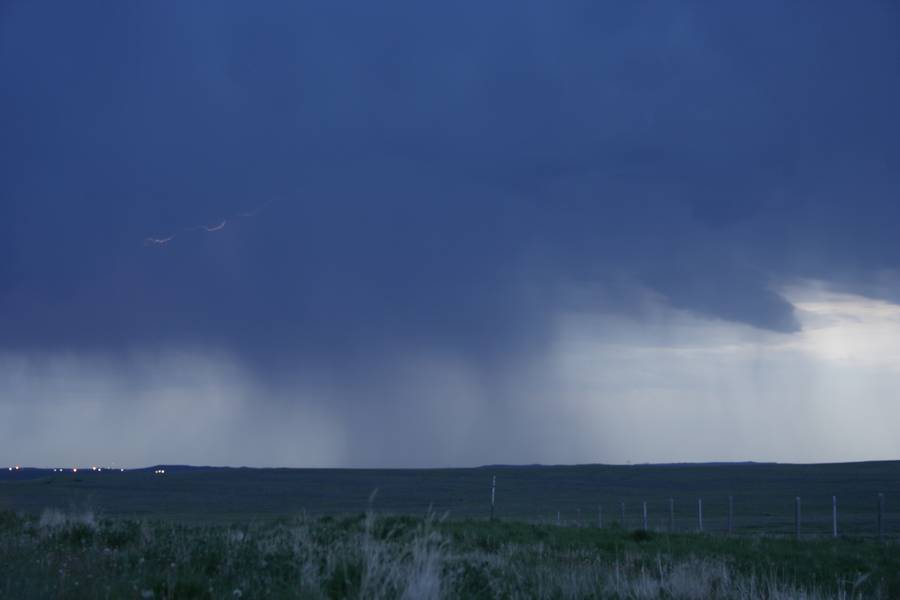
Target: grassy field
<point x="76" y="555"/>
<point x="294" y="533"/>
<point x="763" y="494"/>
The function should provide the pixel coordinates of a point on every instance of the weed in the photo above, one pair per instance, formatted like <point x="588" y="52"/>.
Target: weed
<point x="371" y="557"/>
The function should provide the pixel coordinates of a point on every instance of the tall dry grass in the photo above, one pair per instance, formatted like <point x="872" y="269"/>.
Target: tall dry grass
<point x="78" y="555"/>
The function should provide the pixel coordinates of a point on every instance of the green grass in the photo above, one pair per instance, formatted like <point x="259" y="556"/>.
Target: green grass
<point x="763" y="494"/>
<point x="286" y="533"/>
<point x="74" y="556"/>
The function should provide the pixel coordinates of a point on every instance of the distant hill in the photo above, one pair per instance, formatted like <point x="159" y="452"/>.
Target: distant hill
<point x="23" y="474"/>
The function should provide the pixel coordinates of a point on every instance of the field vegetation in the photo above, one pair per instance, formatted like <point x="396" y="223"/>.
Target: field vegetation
<point x="299" y="533"/>
<point x="763" y="494"/>
<point x="80" y="555"/>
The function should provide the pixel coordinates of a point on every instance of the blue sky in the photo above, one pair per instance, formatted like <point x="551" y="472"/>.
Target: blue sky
<point x="518" y="232"/>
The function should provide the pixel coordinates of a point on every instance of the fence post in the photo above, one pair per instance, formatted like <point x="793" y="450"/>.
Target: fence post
<point x="880" y="517"/>
<point x="730" y="515"/>
<point x="671" y="515"/>
<point x="600" y="516"/>
<point x="834" y="516"/>
<point x="493" y="494"/>
<point x="645" y="515"/>
<point x="797" y="517"/>
<point x="623" y="514"/>
<point x="700" y="513"/>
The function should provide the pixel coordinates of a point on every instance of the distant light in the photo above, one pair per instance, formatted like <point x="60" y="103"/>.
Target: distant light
<point x="74" y="469"/>
<point x="17" y="467"/>
<point x="122" y="470"/>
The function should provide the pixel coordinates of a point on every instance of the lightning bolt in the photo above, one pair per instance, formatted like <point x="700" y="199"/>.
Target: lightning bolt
<point x="152" y="241"/>
<point x="162" y="241"/>
<point x="210" y="228"/>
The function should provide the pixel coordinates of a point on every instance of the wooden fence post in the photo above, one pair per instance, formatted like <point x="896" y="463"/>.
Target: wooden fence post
<point x="645" y="515"/>
<point x="834" y="516"/>
<point x="493" y="494"/>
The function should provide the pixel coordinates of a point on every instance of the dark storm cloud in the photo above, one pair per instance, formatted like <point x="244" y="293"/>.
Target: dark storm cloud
<point x="442" y="175"/>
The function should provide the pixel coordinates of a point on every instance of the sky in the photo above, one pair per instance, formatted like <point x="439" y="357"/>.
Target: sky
<point x="412" y="234"/>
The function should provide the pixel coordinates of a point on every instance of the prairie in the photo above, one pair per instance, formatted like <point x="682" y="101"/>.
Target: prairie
<point x="319" y="533"/>
<point x="77" y="555"/>
<point x="763" y="494"/>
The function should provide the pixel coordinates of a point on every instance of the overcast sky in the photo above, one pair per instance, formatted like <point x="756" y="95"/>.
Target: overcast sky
<point x="448" y="234"/>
